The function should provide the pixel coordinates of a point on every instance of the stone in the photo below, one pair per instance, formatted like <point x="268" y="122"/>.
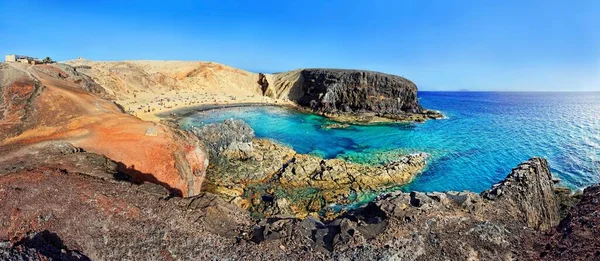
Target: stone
<point x="529" y="189"/>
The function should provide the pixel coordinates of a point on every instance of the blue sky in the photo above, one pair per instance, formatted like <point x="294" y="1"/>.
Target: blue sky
<point x="440" y="45"/>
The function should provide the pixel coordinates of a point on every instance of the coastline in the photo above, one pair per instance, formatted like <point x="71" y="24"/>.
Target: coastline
<point x="126" y="167"/>
<point x="365" y="119"/>
<point x="179" y="113"/>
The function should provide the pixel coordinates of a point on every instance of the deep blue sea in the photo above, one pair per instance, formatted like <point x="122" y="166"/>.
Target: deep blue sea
<point x="485" y="135"/>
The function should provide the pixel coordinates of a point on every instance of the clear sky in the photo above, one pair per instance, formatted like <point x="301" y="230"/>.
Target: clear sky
<point x="440" y="45"/>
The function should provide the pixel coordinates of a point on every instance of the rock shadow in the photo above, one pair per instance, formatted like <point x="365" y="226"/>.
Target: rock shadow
<point x="135" y="176"/>
<point x="51" y="245"/>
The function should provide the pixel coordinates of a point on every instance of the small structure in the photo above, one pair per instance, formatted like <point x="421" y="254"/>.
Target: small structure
<point x="11" y="58"/>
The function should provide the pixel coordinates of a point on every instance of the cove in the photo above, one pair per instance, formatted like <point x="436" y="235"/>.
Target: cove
<point x="484" y="135"/>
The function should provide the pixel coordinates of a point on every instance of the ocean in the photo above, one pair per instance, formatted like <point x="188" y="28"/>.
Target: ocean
<point x="484" y="136"/>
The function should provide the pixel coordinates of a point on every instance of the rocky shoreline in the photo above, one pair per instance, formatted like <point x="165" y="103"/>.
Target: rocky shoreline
<point x="515" y="219"/>
<point x="81" y="180"/>
<point x="271" y="179"/>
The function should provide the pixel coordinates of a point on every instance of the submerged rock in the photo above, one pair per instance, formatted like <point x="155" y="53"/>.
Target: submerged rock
<point x="229" y="140"/>
<point x="271" y="179"/>
<point x="336" y="126"/>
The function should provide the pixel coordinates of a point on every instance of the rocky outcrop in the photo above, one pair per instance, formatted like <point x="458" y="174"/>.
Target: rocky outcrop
<point x="432" y="226"/>
<point x="576" y="236"/>
<point x="119" y="220"/>
<point x="59" y="212"/>
<point x="353" y="95"/>
<point x="263" y="83"/>
<point x="528" y="194"/>
<point x="270" y="179"/>
<point x="47" y="103"/>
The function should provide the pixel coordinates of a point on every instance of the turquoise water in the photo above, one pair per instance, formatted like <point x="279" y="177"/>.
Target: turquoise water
<point x="485" y="135"/>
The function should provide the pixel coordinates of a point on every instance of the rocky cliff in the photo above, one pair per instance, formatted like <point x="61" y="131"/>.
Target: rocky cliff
<point x="337" y="92"/>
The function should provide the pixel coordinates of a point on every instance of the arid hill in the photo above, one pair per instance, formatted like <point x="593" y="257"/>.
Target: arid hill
<point x="54" y="103"/>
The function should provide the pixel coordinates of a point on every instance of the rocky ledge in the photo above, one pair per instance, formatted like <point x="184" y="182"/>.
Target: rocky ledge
<point x="271" y="179"/>
<point x="71" y="205"/>
<point x="352" y="95"/>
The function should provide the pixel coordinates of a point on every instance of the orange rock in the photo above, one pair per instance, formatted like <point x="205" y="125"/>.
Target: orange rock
<point x="63" y="111"/>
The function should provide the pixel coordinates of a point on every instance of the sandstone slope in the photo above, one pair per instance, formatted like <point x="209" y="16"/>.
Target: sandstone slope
<point x="159" y="86"/>
<point x="54" y="102"/>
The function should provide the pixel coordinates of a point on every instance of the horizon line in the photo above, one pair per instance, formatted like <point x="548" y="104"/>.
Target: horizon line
<point x="536" y="91"/>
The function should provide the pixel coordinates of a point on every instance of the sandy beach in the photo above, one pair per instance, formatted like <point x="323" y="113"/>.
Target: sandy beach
<point x="148" y="106"/>
<point x="148" y="88"/>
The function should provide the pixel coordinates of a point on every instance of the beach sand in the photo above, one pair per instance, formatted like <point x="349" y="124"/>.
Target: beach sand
<point x="148" y="106"/>
<point x="146" y="89"/>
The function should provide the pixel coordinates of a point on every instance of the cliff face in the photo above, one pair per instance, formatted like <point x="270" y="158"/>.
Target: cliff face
<point x="336" y="90"/>
<point x="338" y="93"/>
<point x="330" y="91"/>
<point x="528" y="194"/>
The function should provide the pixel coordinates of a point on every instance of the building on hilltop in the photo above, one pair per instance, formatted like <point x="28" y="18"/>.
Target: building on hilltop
<point x="10" y="58"/>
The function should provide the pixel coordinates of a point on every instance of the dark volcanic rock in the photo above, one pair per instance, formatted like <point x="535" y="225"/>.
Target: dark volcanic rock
<point x="577" y="237"/>
<point x="335" y="90"/>
<point x="528" y="192"/>
<point x="43" y="245"/>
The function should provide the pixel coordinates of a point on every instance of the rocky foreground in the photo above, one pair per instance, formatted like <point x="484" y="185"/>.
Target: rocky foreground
<point x="76" y="205"/>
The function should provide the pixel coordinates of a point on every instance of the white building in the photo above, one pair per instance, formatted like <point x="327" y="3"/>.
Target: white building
<point x="10" y="58"/>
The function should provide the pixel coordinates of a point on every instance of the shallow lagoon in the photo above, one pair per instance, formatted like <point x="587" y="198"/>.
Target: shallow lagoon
<point x="485" y="135"/>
